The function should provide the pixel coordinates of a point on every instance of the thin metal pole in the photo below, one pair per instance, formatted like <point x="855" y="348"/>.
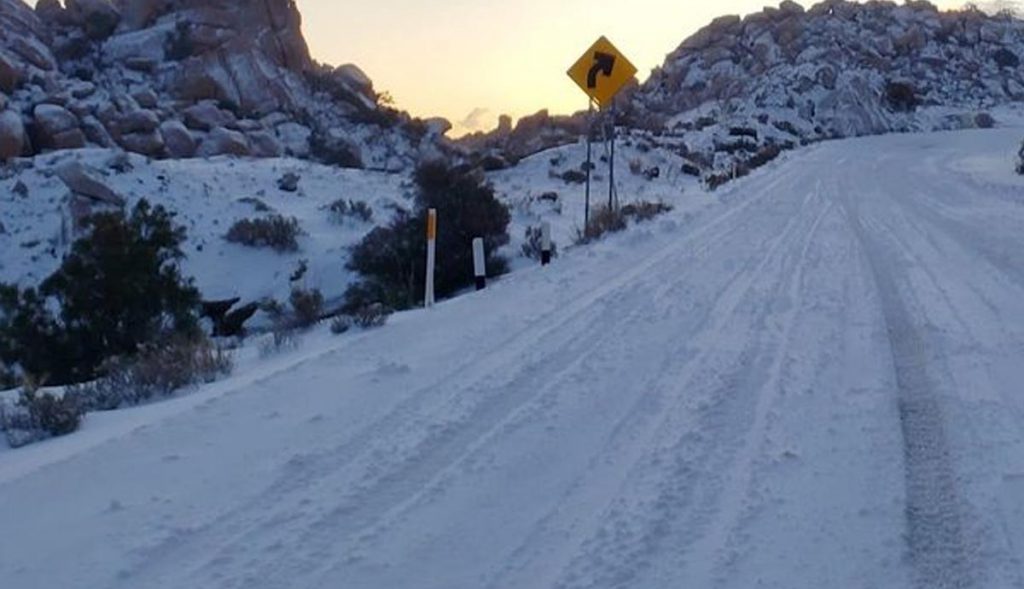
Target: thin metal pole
<point x="611" y="165"/>
<point x="590" y="129"/>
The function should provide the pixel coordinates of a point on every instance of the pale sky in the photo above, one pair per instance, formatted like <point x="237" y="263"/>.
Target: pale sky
<point x="471" y="60"/>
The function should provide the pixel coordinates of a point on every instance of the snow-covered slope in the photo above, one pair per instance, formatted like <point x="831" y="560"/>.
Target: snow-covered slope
<point x="208" y="196"/>
<point x="813" y="383"/>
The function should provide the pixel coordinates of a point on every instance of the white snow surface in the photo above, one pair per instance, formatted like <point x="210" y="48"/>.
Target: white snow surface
<point x="813" y="382"/>
<point x="210" y="195"/>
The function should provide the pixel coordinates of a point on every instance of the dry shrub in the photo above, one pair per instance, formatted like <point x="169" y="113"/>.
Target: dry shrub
<point x="157" y="371"/>
<point x="38" y="416"/>
<point x="282" y="340"/>
<point x="643" y="210"/>
<point x="276" y="232"/>
<point x="371" y="316"/>
<point x="307" y="306"/>
<point x="602" y="220"/>
<point x="533" y="244"/>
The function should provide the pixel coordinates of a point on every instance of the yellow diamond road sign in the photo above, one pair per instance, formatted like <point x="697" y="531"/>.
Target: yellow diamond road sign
<point x="602" y="72"/>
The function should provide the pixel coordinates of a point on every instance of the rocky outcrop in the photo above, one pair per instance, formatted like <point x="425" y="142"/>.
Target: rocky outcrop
<point x="530" y="135"/>
<point x="237" y="73"/>
<point x="740" y="89"/>
<point x="840" y="54"/>
<point x="249" y="53"/>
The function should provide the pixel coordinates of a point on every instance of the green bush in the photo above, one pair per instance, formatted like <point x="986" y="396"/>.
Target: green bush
<point x="120" y="287"/>
<point x="392" y="259"/>
<point x="276" y="232"/>
<point x="57" y="416"/>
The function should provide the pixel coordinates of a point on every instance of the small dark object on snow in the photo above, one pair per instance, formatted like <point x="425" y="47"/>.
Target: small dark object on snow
<point x="289" y="182"/>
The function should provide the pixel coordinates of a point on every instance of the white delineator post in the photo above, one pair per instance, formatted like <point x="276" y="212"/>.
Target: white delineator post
<point x="479" y="264"/>
<point x="428" y="299"/>
<point x="545" y="244"/>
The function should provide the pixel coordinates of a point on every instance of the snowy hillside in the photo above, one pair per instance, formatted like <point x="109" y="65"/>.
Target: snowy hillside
<point x="209" y="196"/>
<point x="812" y="382"/>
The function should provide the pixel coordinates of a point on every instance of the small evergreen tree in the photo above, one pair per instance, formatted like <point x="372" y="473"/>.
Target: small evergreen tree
<point x="120" y="287"/>
<point x="392" y="259"/>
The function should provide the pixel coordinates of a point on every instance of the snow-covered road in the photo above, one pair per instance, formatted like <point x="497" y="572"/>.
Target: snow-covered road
<point x="816" y="383"/>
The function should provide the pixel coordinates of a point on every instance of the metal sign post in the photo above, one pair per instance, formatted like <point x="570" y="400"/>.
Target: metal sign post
<point x="590" y="165"/>
<point x="601" y="73"/>
<point x="612" y="201"/>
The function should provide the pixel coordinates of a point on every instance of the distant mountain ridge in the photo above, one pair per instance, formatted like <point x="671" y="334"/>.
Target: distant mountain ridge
<point x="788" y="76"/>
<point x="743" y="88"/>
<point x="179" y="78"/>
<point x="835" y="62"/>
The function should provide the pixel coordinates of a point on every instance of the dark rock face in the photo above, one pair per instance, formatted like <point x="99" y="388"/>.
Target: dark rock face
<point x="248" y="53"/>
<point x="12" y="135"/>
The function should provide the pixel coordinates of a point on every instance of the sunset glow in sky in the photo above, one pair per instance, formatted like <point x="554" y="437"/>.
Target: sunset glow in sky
<point x="471" y="60"/>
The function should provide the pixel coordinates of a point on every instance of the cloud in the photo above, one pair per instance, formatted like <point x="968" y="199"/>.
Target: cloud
<point x="479" y="119"/>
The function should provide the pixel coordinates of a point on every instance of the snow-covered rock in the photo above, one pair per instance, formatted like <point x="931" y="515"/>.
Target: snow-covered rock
<point x="177" y="140"/>
<point x="205" y="116"/>
<point x="221" y="141"/>
<point x="85" y="181"/>
<point x="57" y="128"/>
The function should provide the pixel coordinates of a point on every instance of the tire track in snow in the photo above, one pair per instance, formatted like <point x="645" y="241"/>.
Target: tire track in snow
<point x="976" y="426"/>
<point x="286" y="504"/>
<point x="710" y="554"/>
<point x="606" y="475"/>
<point x="938" y="540"/>
<point x="668" y="497"/>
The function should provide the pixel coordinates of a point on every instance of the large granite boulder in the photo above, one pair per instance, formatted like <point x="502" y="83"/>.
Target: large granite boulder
<point x="86" y="182"/>
<point x="223" y="141"/>
<point x="12" y="135"/>
<point x="177" y="140"/>
<point x="57" y="128"/>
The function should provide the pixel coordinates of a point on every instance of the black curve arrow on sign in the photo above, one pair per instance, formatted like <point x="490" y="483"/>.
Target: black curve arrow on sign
<point x="603" y="64"/>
